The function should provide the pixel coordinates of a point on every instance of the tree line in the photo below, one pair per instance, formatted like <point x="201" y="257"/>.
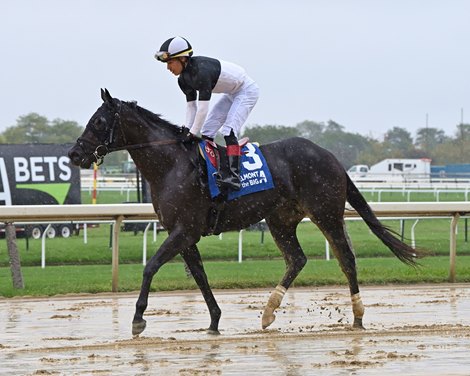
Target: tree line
<point x="353" y="148"/>
<point x="349" y="148"/>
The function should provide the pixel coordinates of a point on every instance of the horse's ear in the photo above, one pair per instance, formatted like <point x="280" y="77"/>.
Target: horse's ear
<point x="105" y="96"/>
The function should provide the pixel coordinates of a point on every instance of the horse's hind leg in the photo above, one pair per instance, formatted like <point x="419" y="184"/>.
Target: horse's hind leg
<point x="193" y="260"/>
<point x="336" y="234"/>
<point x="284" y="234"/>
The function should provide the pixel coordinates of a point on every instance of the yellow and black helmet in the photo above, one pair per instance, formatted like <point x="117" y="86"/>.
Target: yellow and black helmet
<point x="174" y="47"/>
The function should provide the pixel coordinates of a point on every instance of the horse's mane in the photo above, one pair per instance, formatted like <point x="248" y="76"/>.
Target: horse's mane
<point x="153" y="119"/>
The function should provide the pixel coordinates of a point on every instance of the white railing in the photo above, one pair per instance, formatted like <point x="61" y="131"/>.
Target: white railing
<point x="376" y="192"/>
<point x="143" y="212"/>
<point x="127" y="185"/>
<point x="109" y="182"/>
<point x="433" y="184"/>
<point x="437" y="192"/>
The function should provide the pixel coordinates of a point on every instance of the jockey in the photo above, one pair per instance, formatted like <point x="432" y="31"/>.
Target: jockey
<point x="198" y="78"/>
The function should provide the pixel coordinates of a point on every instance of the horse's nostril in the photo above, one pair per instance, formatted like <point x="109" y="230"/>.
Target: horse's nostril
<point x="74" y="156"/>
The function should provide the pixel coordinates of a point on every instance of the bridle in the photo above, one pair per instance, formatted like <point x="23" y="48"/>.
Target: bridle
<point x="105" y="147"/>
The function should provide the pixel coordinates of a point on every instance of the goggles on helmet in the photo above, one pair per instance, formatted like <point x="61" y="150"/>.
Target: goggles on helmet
<point x="164" y="56"/>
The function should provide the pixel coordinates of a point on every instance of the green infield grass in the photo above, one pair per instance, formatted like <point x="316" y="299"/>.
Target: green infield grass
<point x="70" y="279"/>
<point x="431" y="234"/>
<point x="74" y="267"/>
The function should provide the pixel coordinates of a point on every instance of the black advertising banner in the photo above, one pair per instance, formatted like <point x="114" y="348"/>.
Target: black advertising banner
<point x="38" y="174"/>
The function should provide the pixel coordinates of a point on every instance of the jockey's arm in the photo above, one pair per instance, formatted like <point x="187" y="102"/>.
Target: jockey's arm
<point x="191" y="109"/>
<point x="199" y="117"/>
<point x="196" y="114"/>
<point x="198" y="93"/>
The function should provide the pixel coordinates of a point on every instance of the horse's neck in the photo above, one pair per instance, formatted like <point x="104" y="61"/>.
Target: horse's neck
<point x="154" y="161"/>
<point x="167" y="168"/>
<point x="140" y="131"/>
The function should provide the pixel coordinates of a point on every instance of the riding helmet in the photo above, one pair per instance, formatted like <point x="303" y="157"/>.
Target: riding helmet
<point x="174" y="47"/>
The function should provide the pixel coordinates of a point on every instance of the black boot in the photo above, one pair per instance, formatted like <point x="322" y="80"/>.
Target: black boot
<point x="230" y="179"/>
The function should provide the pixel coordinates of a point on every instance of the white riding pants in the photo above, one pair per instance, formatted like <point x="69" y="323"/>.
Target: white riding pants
<point x="231" y="111"/>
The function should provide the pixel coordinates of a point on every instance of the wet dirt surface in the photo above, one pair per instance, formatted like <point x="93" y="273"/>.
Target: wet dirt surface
<point x="413" y="330"/>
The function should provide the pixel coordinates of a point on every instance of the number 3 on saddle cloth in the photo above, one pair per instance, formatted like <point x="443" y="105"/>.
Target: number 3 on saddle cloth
<point x="254" y="171"/>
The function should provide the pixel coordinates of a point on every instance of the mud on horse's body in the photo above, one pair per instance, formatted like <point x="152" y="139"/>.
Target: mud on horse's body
<point x="309" y="182"/>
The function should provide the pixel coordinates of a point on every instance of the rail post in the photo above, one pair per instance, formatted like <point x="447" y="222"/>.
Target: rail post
<point x="144" y="246"/>
<point x="14" y="256"/>
<point x="240" y="246"/>
<point x="115" y="256"/>
<point x="43" y="246"/>
<point x="453" y="246"/>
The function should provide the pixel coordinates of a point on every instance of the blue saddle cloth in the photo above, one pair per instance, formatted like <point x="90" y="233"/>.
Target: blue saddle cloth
<point x="254" y="171"/>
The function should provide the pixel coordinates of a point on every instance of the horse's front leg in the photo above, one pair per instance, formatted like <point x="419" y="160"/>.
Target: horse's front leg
<point x="175" y="242"/>
<point x="193" y="260"/>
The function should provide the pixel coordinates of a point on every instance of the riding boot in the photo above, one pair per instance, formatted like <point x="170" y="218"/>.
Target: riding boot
<point x="231" y="178"/>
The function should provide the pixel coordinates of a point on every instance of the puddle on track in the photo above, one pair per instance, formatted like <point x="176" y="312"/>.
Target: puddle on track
<point x="414" y="330"/>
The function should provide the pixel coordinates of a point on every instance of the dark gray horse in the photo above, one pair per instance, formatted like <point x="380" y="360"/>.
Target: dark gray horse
<point x="309" y="182"/>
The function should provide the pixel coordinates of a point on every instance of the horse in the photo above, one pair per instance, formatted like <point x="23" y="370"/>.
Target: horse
<point x="308" y="182"/>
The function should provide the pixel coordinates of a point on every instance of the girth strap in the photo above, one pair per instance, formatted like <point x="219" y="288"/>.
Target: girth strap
<point x="216" y="208"/>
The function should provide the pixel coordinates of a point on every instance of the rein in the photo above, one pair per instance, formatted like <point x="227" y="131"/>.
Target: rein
<point x="105" y="148"/>
<point x="142" y="145"/>
<point x="102" y="150"/>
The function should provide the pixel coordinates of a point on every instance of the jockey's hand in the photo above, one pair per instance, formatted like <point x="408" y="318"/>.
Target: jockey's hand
<point x="186" y="135"/>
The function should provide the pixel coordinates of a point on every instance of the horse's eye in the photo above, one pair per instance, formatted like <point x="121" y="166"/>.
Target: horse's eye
<point x="100" y="123"/>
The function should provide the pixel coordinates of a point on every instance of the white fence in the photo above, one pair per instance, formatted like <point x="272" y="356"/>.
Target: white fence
<point x="128" y="184"/>
<point x="436" y="188"/>
<point x="436" y="192"/>
<point x="143" y="212"/>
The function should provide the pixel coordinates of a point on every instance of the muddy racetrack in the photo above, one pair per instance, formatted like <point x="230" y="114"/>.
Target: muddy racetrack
<point x="412" y="330"/>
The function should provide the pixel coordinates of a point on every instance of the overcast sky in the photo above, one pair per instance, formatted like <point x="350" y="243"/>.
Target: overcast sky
<point x="369" y="65"/>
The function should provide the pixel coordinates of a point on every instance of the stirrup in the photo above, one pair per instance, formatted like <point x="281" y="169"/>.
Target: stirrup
<point x="228" y="183"/>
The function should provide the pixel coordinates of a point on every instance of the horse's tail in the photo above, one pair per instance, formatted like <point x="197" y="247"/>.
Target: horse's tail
<point x="404" y="252"/>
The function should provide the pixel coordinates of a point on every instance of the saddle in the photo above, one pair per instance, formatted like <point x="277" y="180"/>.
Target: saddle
<point x="254" y="175"/>
<point x="217" y="154"/>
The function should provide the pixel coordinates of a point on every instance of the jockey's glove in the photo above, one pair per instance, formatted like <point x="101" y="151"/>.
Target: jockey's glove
<point x="186" y="135"/>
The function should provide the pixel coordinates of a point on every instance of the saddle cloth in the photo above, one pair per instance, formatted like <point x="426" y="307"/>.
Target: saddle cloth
<point x="254" y="171"/>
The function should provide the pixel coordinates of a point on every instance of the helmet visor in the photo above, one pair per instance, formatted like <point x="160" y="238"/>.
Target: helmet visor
<point x="162" y="56"/>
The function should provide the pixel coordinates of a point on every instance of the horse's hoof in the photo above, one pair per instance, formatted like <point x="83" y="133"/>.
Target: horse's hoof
<point x="213" y="332"/>
<point x="138" y="327"/>
<point x="358" y="324"/>
<point x="267" y="319"/>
